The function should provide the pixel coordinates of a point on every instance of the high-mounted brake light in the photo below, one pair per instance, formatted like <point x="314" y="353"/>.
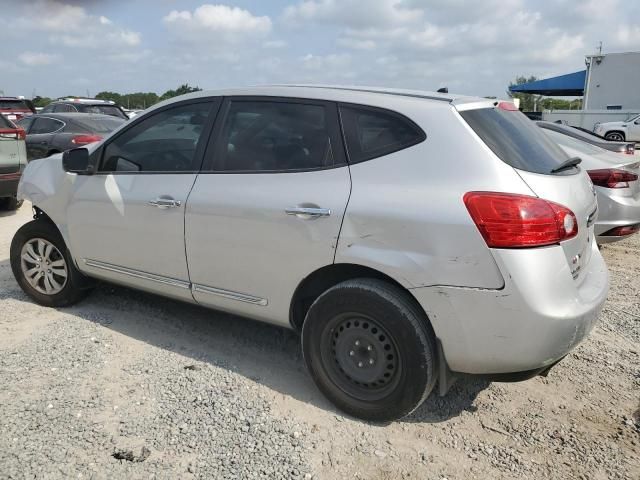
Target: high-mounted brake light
<point x="508" y="106"/>
<point x="85" y="139"/>
<point x="612" y="178"/>
<point x="508" y="220"/>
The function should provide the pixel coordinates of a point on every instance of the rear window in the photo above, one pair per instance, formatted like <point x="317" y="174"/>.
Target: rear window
<point x="372" y="132"/>
<point x="104" y="109"/>
<point x="516" y="140"/>
<point x="15" y="105"/>
<point x="5" y="123"/>
<point x="97" y="125"/>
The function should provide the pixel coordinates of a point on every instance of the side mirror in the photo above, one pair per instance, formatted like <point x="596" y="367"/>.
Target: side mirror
<point x="77" y="161"/>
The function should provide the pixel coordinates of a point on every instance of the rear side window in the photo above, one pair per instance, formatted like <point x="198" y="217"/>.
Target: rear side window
<point x="373" y="132"/>
<point x="46" y="125"/>
<point x="64" y="108"/>
<point x="516" y="140"/>
<point x="263" y="136"/>
<point x="104" y="109"/>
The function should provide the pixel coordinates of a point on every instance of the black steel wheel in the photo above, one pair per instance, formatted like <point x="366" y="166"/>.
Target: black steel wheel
<point x="370" y="349"/>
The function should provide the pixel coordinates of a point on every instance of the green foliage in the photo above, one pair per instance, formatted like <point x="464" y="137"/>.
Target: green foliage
<point x="39" y="101"/>
<point x="530" y="102"/>
<point x="181" y="90"/>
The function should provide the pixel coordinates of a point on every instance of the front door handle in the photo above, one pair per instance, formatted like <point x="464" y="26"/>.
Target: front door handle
<point x="164" y="202"/>
<point x="308" y="212"/>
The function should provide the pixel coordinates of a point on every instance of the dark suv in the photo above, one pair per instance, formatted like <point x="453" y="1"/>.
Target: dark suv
<point x="85" y="105"/>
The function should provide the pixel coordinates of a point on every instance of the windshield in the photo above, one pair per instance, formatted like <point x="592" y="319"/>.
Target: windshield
<point x="516" y="140"/>
<point x="574" y="143"/>
<point x="14" y="105"/>
<point x="104" y="109"/>
<point x="98" y="125"/>
<point x="633" y="118"/>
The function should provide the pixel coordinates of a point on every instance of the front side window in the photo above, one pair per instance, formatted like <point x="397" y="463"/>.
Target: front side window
<point x="372" y="133"/>
<point x="45" y="125"/>
<point x="163" y="142"/>
<point x="274" y="136"/>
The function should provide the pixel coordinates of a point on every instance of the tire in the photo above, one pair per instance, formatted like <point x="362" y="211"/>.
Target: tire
<point x="54" y="284"/>
<point x="615" y="136"/>
<point x="10" y="203"/>
<point x="370" y="349"/>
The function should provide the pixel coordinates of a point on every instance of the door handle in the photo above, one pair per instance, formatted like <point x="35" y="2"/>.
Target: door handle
<point x="163" y="202"/>
<point x="308" y="212"/>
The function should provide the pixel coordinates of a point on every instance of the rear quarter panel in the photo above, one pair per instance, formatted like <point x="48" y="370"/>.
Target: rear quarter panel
<point x="406" y="215"/>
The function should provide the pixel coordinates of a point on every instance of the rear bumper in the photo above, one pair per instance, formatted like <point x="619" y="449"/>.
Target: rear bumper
<point x="539" y="316"/>
<point x="8" y="186"/>
<point x="616" y="211"/>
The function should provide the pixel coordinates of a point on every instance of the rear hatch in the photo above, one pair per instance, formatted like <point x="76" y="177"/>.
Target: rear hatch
<point x="12" y="150"/>
<point x="520" y="143"/>
<point x="16" y="108"/>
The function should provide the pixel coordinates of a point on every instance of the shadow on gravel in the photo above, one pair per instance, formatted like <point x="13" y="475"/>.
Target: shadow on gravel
<point x="266" y="354"/>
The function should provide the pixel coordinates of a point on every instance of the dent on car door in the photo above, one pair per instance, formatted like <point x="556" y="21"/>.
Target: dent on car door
<point x="126" y="222"/>
<point x="268" y="209"/>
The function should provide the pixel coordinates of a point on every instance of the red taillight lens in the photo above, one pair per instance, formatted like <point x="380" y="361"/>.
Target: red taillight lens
<point x="508" y="106"/>
<point x="622" y="231"/>
<point x="612" y="178"/>
<point x="508" y="220"/>
<point x="17" y="133"/>
<point x="85" y="139"/>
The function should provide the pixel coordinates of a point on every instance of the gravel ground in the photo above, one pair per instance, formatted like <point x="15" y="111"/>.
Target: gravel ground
<point x="129" y="385"/>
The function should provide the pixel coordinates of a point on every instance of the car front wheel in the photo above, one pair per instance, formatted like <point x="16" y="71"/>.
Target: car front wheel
<point x="43" y="266"/>
<point x="615" y="136"/>
<point x="369" y="349"/>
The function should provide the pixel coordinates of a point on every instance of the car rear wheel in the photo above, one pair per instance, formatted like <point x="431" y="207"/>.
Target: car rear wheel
<point x="369" y="349"/>
<point x="43" y="266"/>
<point x="615" y="136"/>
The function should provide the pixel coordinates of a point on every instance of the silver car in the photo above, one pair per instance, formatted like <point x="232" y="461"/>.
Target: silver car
<point x="615" y="177"/>
<point x="410" y="237"/>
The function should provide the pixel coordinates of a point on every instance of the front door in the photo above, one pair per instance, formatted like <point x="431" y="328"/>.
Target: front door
<point x="126" y="222"/>
<point x="268" y="211"/>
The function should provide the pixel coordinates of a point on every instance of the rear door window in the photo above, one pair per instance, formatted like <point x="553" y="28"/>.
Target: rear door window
<point x="373" y="132"/>
<point x="260" y="136"/>
<point x="516" y="140"/>
<point x="45" y="125"/>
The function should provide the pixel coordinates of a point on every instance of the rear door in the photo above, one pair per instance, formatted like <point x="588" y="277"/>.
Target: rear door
<point x="267" y="210"/>
<point x="519" y="142"/>
<point x="40" y="136"/>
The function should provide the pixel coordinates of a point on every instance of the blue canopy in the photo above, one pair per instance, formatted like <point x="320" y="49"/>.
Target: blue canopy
<point x="569" y="85"/>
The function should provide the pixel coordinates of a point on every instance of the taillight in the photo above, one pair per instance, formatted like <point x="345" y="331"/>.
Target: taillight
<point x="85" y="139"/>
<point x="15" y="133"/>
<point x="622" y="231"/>
<point x="612" y="178"/>
<point x="508" y="220"/>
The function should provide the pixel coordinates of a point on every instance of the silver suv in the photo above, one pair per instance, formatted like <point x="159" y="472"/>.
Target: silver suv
<point x="410" y="237"/>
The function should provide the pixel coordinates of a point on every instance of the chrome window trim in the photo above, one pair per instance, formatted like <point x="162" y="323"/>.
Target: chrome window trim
<point x="242" y="297"/>
<point x="138" y="274"/>
<point x="174" y="282"/>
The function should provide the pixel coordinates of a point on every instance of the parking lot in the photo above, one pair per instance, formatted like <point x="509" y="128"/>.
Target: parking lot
<point x="131" y="385"/>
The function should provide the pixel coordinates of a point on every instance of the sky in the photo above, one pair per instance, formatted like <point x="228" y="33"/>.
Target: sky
<point x="63" y="47"/>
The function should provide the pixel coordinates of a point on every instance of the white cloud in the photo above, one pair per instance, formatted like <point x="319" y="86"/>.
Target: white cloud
<point x="232" y="23"/>
<point x="36" y="59"/>
<point x="72" y="26"/>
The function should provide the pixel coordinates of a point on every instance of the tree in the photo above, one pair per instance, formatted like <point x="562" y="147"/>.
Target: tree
<point x="39" y="101"/>
<point x="181" y="90"/>
<point x="528" y="101"/>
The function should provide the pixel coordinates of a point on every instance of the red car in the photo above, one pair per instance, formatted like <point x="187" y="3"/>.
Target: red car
<point x="14" y="108"/>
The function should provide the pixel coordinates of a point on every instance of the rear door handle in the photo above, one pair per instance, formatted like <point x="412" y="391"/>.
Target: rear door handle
<point x="308" y="212"/>
<point x="164" y="202"/>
